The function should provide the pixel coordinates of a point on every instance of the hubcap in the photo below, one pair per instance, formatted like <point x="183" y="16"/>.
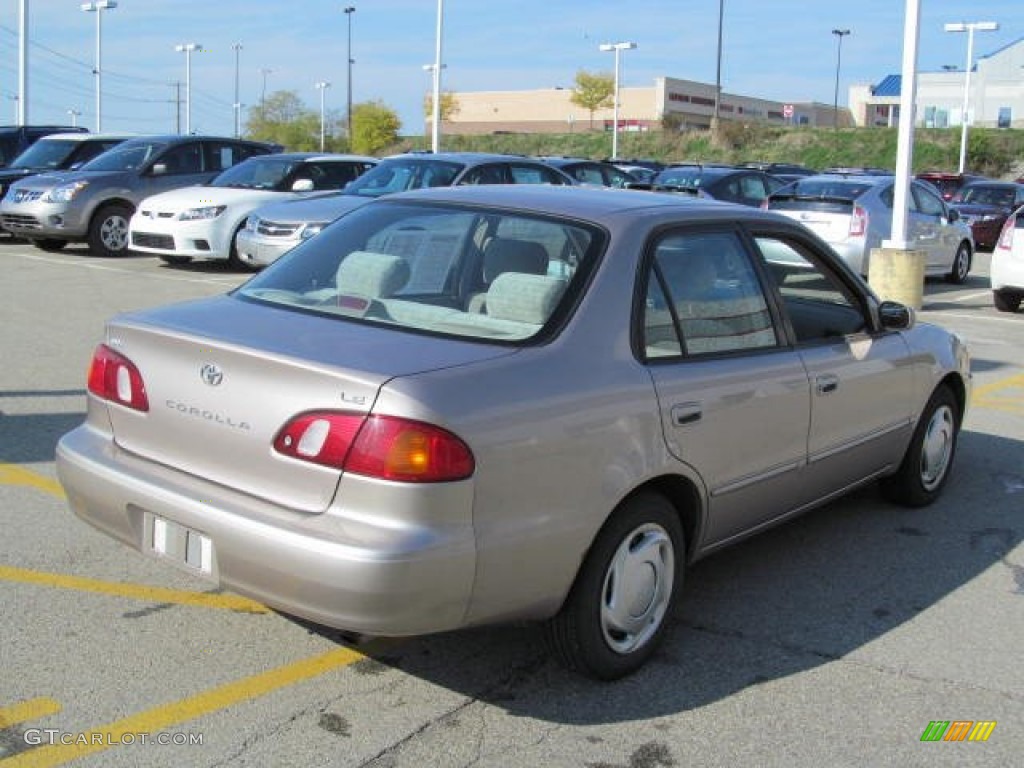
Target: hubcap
<point x="637" y="588"/>
<point x="114" y="233"/>
<point x="937" y="447"/>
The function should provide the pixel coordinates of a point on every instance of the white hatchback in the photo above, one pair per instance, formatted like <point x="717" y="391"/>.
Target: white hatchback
<point x="201" y="222"/>
<point x="1007" y="270"/>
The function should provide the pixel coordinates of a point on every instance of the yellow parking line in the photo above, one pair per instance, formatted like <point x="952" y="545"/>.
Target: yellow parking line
<point x="11" y="474"/>
<point x="133" y="591"/>
<point x="996" y="386"/>
<point x="160" y="718"/>
<point x="27" y="710"/>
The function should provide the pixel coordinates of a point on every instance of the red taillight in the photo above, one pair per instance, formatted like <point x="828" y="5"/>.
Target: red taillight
<point x="385" y="447"/>
<point x="1006" y="236"/>
<point x="858" y="221"/>
<point x="114" y="377"/>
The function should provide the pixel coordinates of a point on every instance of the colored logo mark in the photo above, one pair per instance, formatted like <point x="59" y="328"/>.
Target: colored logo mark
<point x="958" y="730"/>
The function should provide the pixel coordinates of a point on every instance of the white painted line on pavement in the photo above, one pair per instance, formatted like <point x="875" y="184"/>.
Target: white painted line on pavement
<point x="121" y="270"/>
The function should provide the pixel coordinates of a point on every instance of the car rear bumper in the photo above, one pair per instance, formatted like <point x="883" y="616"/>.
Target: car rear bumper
<point x="1007" y="271"/>
<point x="403" y="574"/>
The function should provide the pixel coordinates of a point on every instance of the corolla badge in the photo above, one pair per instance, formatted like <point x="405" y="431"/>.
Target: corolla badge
<point x="211" y="374"/>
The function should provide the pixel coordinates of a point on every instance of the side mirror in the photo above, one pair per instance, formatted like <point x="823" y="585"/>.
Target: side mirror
<point x="952" y="215"/>
<point x="895" y="316"/>
<point x="302" y="185"/>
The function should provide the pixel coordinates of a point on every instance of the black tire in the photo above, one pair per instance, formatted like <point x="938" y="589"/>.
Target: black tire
<point x="108" y="230"/>
<point x="926" y="465"/>
<point x="50" y="245"/>
<point x="618" y="608"/>
<point x="176" y="261"/>
<point x="233" y="259"/>
<point x="1006" y="301"/>
<point x="961" y="265"/>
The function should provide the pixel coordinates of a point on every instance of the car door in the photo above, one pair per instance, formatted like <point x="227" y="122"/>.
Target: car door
<point x="734" y="399"/>
<point x="861" y="383"/>
<point x="934" y="234"/>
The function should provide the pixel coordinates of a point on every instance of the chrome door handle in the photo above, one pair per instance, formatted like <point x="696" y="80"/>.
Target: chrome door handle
<point x="826" y="385"/>
<point x="686" y="413"/>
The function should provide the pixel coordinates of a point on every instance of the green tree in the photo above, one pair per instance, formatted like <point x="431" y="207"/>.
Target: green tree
<point x="593" y="91"/>
<point x="375" y="127"/>
<point x="449" y="105"/>
<point x="285" y="120"/>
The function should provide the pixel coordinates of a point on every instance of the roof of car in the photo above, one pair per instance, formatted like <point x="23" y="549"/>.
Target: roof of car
<point x="461" y="157"/>
<point x="320" y="156"/>
<point x="89" y="136"/>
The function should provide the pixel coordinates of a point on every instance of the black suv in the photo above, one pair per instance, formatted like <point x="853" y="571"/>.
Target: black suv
<point x="15" y="139"/>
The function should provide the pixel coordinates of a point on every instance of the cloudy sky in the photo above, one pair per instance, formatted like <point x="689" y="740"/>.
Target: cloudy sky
<point x="776" y="49"/>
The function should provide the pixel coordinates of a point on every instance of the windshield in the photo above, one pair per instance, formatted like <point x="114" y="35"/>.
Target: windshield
<point x="480" y="273"/>
<point x="125" y="157"/>
<point x="399" y="174"/>
<point x="45" y="153"/>
<point x="831" y="189"/>
<point x="683" y="178"/>
<point x="257" y="173"/>
<point x="1001" y="197"/>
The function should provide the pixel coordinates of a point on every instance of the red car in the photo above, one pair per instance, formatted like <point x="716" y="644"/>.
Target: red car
<point x="985" y="206"/>
<point x="948" y="184"/>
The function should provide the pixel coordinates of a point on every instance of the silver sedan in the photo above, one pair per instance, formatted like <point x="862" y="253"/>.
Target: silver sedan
<point x="463" y="406"/>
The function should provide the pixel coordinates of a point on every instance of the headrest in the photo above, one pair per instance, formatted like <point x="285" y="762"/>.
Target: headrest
<point x="524" y="298"/>
<point x="503" y="254"/>
<point x="375" y="275"/>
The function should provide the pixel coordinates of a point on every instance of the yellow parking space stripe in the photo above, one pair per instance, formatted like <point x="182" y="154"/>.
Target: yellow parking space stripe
<point x="160" y="718"/>
<point x="11" y="474"/>
<point x="996" y="396"/>
<point x="133" y="591"/>
<point x="27" y="710"/>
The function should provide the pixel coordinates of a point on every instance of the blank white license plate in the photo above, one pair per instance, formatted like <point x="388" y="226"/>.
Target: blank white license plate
<point x="185" y="546"/>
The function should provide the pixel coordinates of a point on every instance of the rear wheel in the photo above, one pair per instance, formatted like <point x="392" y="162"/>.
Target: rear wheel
<point x="49" y="244"/>
<point x="1006" y="301"/>
<point x="108" y="231"/>
<point x="961" y="265"/>
<point x="925" y="467"/>
<point x="616" y="613"/>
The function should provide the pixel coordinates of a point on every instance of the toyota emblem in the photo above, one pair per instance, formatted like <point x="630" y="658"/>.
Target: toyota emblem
<point x="211" y="374"/>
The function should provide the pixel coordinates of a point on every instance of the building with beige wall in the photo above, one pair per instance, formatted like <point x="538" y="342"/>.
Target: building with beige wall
<point x="684" y="103"/>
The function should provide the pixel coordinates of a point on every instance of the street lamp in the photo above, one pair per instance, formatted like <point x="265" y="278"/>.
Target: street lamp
<point x="718" y="67"/>
<point x="263" y="93"/>
<point x="237" y="106"/>
<point x="74" y="117"/>
<point x="322" y="86"/>
<point x="617" y="48"/>
<point x="968" y="27"/>
<point x="435" y="139"/>
<point x="840" y="33"/>
<point x="349" y="10"/>
<point x="187" y="49"/>
<point x="98" y="7"/>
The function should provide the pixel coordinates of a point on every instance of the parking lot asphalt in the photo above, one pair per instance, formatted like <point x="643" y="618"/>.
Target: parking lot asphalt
<point x="848" y="637"/>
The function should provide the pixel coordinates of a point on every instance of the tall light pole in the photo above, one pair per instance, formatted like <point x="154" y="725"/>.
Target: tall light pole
<point x="263" y="93"/>
<point x="187" y="49"/>
<point x="718" y="66"/>
<point x="839" y="33"/>
<point x="98" y="7"/>
<point x="237" y="106"/>
<point x="349" y="10"/>
<point x="617" y="48"/>
<point x="21" y="106"/>
<point x="322" y="86"/>
<point x="74" y="117"/>
<point x="435" y="121"/>
<point x="968" y="27"/>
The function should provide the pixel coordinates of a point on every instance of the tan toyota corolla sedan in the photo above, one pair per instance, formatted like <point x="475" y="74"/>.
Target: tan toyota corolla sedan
<point x="463" y="406"/>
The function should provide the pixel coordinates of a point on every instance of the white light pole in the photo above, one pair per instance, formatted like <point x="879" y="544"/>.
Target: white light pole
<point x="435" y="139"/>
<point x="74" y="117"/>
<point x="187" y="49"/>
<point x="617" y="48"/>
<point x="263" y="93"/>
<point x="98" y="7"/>
<point x="322" y="86"/>
<point x="968" y="27"/>
<point x="237" y="106"/>
<point x="840" y="33"/>
<point x="349" y="10"/>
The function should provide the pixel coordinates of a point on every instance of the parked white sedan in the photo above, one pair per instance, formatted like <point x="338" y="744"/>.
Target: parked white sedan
<point x="1007" y="270"/>
<point x="201" y="222"/>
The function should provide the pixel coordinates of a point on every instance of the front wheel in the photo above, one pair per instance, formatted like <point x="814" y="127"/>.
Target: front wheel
<point x="108" y="231"/>
<point x="1006" y="301"/>
<point x="961" y="266"/>
<point x="616" y="613"/>
<point x="929" y="457"/>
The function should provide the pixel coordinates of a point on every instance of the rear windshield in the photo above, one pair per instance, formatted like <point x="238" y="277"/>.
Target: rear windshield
<point x="400" y="174"/>
<point x="691" y="177"/>
<point x="825" y="189"/>
<point x="1002" y="197"/>
<point x="492" y="275"/>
